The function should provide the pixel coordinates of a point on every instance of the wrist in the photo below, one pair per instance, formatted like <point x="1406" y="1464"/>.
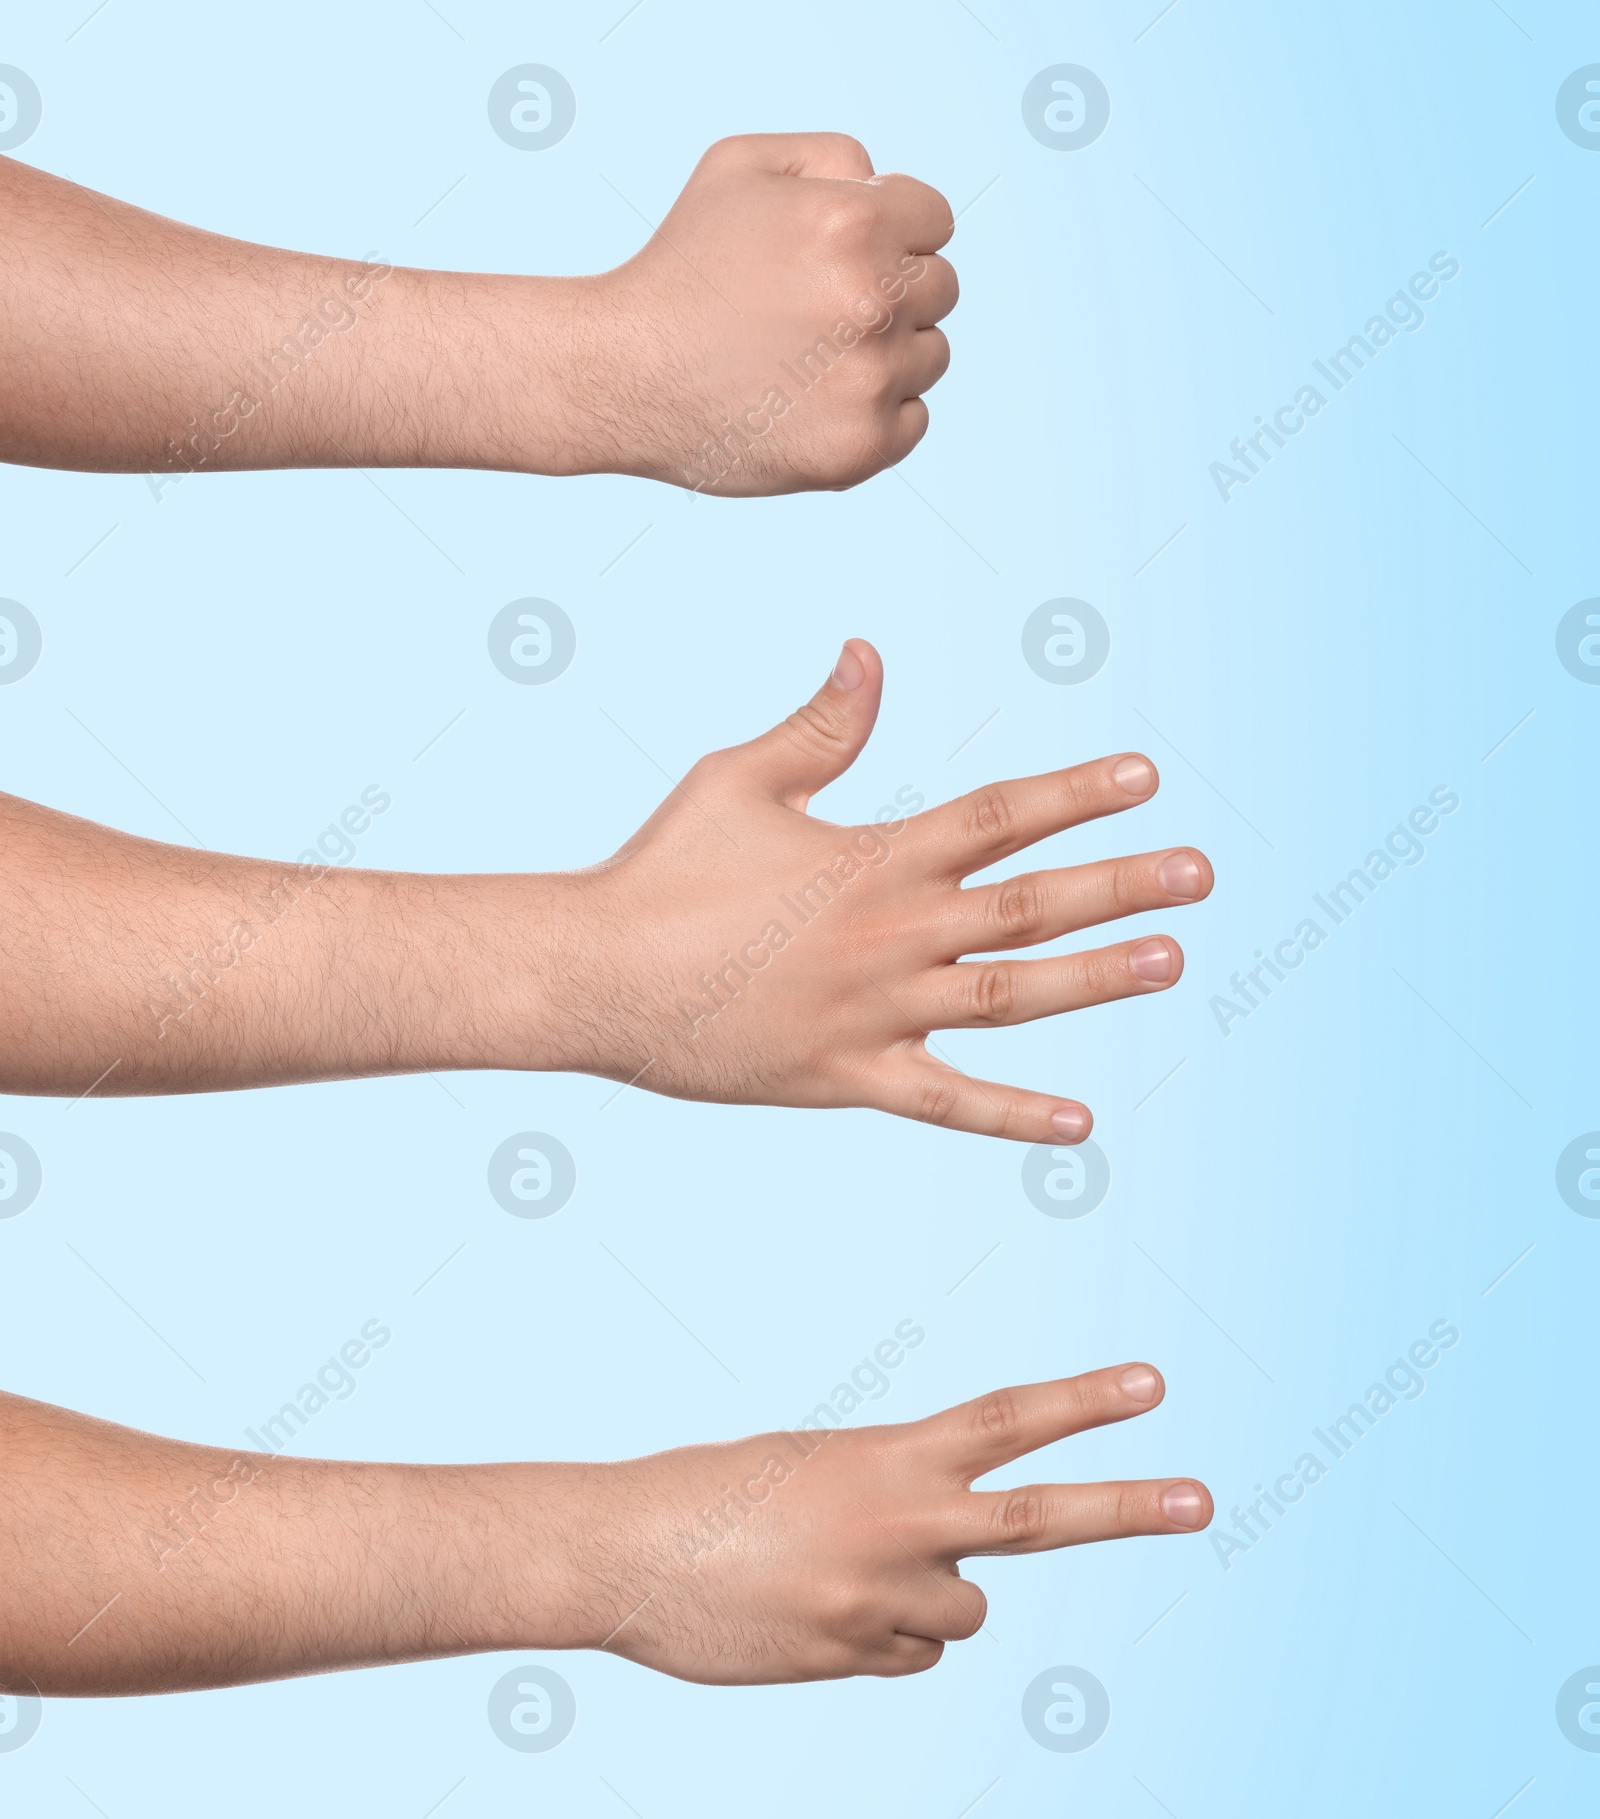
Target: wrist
<point x="486" y="973"/>
<point x="541" y="1540"/>
<point x="585" y="369"/>
<point x="510" y="373"/>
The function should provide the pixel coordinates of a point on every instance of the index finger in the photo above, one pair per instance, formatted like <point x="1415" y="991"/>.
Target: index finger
<point x="989" y="824"/>
<point x="920" y="211"/>
<point x="799" y="154"/>
<point x="975" y="1437"/>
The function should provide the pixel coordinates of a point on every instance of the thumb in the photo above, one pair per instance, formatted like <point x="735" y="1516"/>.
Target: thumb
<point x="820" y="741"/>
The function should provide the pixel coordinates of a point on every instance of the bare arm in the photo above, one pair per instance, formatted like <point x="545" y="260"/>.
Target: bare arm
<point x="131" y="966"/>
<point x="129" y="342"/>
<point x="134" y="1564"/>
<point x="735" y="949"/>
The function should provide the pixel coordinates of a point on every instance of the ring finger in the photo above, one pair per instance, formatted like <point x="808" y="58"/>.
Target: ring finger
<point x="927" y="358"/>
<point x="944" y="1607"/>
<point x="978" y="994"/>
<point x="931" y="295"/>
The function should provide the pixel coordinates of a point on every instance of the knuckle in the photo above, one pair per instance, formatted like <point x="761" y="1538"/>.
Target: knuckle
<point x="936" y="1102"/>
<point x="887" y="382"/>
<point x="1016" y="911"/>
<point x="990" y="816"/>
<point x="735" y="149"/>
<point x="1106" y="972"/>
<point x="1080" y="794"/>
<point x="1020" y="1518"/>
<point x="992" y="992"/>
<point x="826" y="139"/>
<point x="1127" y="889"/>
<point x="1092" y="1394"/>
<point x="1083" y="1401"/>
<point x="819" y="728"/>
<point x="709" y="772"/>
<point x="995" y="1417"/>
<point x="1083" y="790"/>
<point x="1132" y="1509"/>
<point x="845" y="218"/>
<point x="1007" y="1119"/>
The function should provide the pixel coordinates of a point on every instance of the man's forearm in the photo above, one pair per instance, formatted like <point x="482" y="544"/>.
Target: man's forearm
<point x="776" y="333"/>
<point x="131" y="343"/>
<point x="135" y="1564"/>
<point x="130" y="966"/>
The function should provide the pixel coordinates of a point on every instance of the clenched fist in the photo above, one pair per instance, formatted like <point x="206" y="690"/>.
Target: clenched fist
<point x="778" y="331"/>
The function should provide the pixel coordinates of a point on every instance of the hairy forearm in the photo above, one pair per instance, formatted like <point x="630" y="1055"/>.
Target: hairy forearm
<point x="135" y="1564"/>
<point x="131" y="343"/>
<point x="130" y="966"/>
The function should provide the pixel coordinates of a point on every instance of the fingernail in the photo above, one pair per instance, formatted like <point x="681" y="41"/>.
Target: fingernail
<point x="1184" y="1505"/>
<point x="1139" y="1381"/>
<point x="1180" y="876"/>
<point x="1136" y="775"/>
<point x="849" y="672"/>
<point x="1152" y="961"/>
<point x="1072" y="1121"/>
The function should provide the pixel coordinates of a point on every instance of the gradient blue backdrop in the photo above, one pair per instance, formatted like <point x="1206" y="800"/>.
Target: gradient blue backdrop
<point x="1363" y="622"/>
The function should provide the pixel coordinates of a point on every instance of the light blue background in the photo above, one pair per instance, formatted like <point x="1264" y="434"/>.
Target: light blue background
<point x="1360" y="1158"/>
